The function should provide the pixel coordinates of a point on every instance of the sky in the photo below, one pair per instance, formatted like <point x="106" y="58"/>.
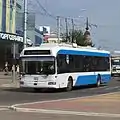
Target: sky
<point x="104" y="13"/>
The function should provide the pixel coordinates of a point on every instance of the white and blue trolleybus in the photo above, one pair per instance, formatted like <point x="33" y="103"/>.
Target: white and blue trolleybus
<point x="63" y="66"/>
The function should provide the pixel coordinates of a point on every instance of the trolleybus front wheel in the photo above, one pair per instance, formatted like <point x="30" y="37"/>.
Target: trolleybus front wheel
<point x="70" y="84"/>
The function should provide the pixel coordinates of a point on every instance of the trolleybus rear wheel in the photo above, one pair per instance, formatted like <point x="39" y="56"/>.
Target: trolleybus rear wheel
<point x="98" y="81"/>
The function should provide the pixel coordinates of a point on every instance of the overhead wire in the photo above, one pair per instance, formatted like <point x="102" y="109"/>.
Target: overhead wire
<point x="46" y="12"/>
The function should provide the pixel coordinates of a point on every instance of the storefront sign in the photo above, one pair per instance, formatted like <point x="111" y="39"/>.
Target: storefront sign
<point x="6" y="36"/>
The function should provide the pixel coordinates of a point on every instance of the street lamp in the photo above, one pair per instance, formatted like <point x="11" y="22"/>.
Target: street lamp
<point x="25" y="24"/>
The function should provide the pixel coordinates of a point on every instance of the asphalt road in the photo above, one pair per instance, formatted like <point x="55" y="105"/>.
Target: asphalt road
<point x="16" y="96"/>
<point x="10" y="96"/>
<point x="11" y="115"/>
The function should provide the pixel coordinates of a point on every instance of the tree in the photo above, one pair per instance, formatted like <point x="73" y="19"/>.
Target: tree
<point x="77" y="36"/>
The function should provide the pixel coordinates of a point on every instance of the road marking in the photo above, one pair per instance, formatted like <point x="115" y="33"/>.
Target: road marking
<point x="68" y="112"/>
<point x="2" y="109"/>
<point x="2" y="106"/>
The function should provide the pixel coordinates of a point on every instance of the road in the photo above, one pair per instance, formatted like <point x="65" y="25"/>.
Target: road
<point x="11" y="96"/>
<point x="15" y="96"/>
<point x="11" y="115"/>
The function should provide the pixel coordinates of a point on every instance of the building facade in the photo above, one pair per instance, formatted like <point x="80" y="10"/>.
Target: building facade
<point x="7" y="16"/>
<point x="35" y="36"/>
<point x="33" y="32"/>
<point x="8" y="36"/>
<point x="11" y="31"/>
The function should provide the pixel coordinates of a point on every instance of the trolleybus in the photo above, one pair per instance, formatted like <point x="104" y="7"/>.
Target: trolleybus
<point x="63" y="66"/>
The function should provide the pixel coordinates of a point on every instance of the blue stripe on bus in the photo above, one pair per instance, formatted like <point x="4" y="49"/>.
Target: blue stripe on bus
<point x="73" y="52"/>
<point x="91" y="79"/>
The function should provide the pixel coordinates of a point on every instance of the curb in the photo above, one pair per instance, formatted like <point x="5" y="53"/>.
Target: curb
<point x="12" y="108"/>
<point x="62" y="112"/>
<point x="18" y="109"/>
<point x="57" y="100"/>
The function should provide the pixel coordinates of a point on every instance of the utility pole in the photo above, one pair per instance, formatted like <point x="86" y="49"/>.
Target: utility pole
<point x="25" y="24"/>
<point x="72" y="30"/>
<point x="14" y="59"/>
<point x="66" y="29"/>
<point x="58" y="28"/>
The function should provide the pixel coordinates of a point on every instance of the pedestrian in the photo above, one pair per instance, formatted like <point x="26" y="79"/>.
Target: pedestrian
<point x="17" y="69"/>
<point x="6" y="68"/>
<point x="13" y="69"/>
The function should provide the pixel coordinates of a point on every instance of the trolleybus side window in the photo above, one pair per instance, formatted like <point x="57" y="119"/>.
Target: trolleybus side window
<point x="79" y="63"/>
<point x="62" y="64"/>
<point x="103" y="64"/>
<point x="74" y="64"/>
<point x="96" y="63"/>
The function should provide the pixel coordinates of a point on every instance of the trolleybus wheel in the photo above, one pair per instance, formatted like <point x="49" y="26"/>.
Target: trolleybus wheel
<point x="98" y="81"/>
<point x="69" y="85"/>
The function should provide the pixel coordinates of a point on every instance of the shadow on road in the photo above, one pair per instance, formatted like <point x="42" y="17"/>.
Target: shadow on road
<point x="31" y="90"/>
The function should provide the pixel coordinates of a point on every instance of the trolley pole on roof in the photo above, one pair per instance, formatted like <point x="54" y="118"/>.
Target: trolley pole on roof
<point x="25" y="24"/>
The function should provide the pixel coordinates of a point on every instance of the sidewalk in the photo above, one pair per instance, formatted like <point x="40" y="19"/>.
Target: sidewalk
<point x="7" y="81"/>
<point x="107" y="105"/>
